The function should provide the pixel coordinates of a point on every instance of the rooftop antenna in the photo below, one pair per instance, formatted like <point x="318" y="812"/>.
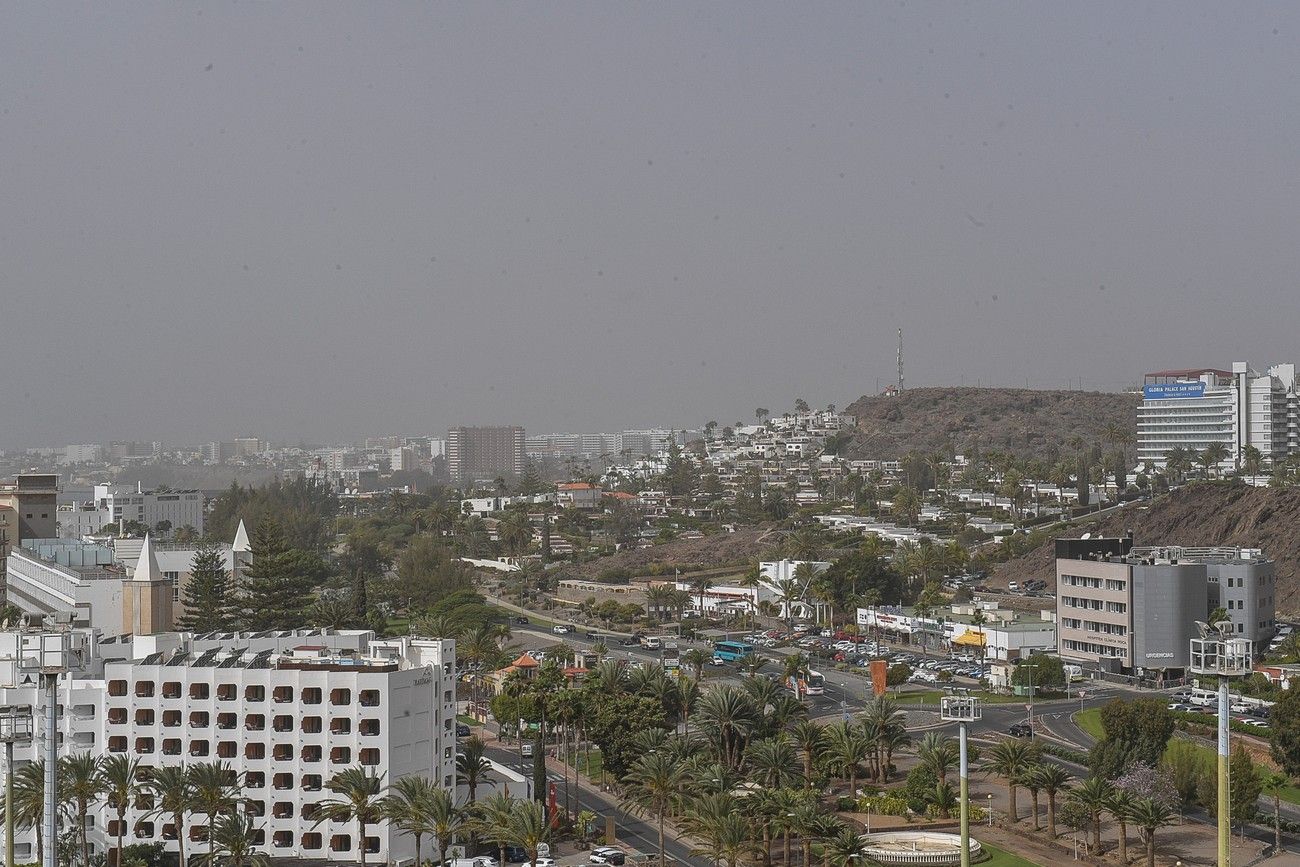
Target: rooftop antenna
<point x="900" y="361"/>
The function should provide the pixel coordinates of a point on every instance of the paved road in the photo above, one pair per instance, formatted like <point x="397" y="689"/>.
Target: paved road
<point x="632" y="831"/>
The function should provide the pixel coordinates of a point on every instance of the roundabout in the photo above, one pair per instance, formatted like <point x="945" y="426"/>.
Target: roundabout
<point x="916" y="847"/>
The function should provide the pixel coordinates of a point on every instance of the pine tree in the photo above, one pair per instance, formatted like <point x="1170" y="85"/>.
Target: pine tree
<point x="209" y="596"/>
<point x="279" y="583"/>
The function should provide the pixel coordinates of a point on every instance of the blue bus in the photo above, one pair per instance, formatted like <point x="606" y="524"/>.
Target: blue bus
<point x="730" y="651"/>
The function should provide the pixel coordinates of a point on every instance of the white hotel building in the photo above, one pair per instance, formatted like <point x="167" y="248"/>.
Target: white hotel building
<point x="1197" y="407"/>
<point x="285" y="709"/>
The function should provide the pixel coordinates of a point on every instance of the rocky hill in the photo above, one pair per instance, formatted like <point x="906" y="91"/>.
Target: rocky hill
<point x="722" y="549"/>
<point x="1195" y="515"/>
<point x="1021" y="421"/>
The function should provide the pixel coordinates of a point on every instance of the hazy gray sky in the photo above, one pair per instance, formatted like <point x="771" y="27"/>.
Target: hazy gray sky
<point x="325" y="220"/>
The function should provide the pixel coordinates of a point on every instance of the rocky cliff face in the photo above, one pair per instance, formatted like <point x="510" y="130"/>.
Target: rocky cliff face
<point x="1199" y="514"/>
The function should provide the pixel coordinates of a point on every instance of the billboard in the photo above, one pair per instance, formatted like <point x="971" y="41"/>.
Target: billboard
<point x="1168" y="390"/>
<point x="879" y="676"/>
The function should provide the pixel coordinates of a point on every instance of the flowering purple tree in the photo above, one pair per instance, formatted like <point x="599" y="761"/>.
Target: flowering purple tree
<point x="1145" y="781"/>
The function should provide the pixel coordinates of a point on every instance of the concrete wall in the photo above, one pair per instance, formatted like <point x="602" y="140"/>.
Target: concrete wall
<point x="1168" y="599"/>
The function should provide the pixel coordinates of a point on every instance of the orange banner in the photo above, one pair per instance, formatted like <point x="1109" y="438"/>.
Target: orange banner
<point x="879" y="676"/>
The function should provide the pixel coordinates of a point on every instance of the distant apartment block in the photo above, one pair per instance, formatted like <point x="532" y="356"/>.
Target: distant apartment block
<point x="477" y="453"/>
<point x="112" y="504"/>
<point x="1133" y="611"/>
<point x="1195" y="408"/>
<point x="89" y="453"/>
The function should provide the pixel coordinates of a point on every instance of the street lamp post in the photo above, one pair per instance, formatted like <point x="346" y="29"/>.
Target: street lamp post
<point x="15" y="727"/>
<point x="1214" y="653"/>
<point x="962" y="709"/>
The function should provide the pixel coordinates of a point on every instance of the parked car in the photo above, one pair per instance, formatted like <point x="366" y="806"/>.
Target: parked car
<point x="462" y="730"/>
<point x="717" y="660"/>
<point x="516" y="854"/>
<point x="1021" y="730"/>
<point x="521" y="620"/>
<point x="607" y="855"/>
<point x="1256" y="723"/>
<point x="561" y="629"/>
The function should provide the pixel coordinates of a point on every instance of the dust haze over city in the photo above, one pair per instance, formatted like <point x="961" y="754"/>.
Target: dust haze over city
<point x="323" y="222"/>
<point x="641" y="434"/>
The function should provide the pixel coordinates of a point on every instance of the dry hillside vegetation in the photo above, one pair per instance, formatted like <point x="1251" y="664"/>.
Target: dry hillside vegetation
<point x="1199" y="514"/>
<point x="1023" y="422"/>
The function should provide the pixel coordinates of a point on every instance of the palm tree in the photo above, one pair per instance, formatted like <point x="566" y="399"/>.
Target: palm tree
<point x="527" y="828"/>
<point x="492" y="820"/>
<point x="1151" y="815"/>
<point x="728" y="716"/>
<point x="29" y="802"/>
<point x="1275" y="783"/>
<point x="216" y="792"/>
<point x="359" y="800"/>
<point x="810" y="738"/>
<point x="234" y="836"/>
<point x="1092" y="796"/>
<point x="1212" y="456"/>
<point x="750" y="580"/>
<point x="1010" y="759"/>
<point x="119" y="778"/>
<point x="1121" y="805"/>
<point x="410" y="806"/>
<point x="772" y="762"/>
<point x="730" y="838"/>
<point x="172" y="791"/>
<point x="846" y="751"/>
<point x="939" y="754"/>
<point x="652" y="784"/>
<point x="1029" y="779"/>
<point x="846" y="848"/>
<point x="472" y="765"/>
<point x="1052" y="779"/>
<point x="81" y="783"/>
<point x="701" y="584"/>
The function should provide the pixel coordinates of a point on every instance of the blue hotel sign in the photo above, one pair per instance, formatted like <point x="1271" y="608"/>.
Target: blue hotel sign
<point x="1168" y="390"/>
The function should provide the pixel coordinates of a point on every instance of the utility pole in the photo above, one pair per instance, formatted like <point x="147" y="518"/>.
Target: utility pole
<point x="15" y="725"/>
<point x="963" y="710"/>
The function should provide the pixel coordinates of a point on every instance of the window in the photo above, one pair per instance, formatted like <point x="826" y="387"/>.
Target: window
<point x="199" y="690"/>
<point x="117" y="716"/>
<point x="255" y="751"/>
<point x="311" y="695"/>
<point x="311" y="754"/>
<point x="171" y="689"/>
<point x="254" y="807"/>
<point x="282" y="694"/>
<point x="255" y="692"/>
<point x="117" y="744"/>
<point x="282" y="839"/>
<point x="227" y="750"/>
<point x="199" y="719"/>
<point x="282" y="810"/>
<point x="372" y="845"/>
<point x="254" y="780"/>
<point x="226" y="692"/>
<point x="227" y="720"/>
<point x="199" y="748"/>
<point x="255" y="722"/>
<point x="144" y="689"/>
<point x="369" y="756"/>
<point x="283" y="781"/>
<point x="282" y="723"/>
<point x="340" y="726"/>
<point x="171" y="747"/>
<point x="340" y="696"/>
<point x="341" y="756"/>
<point x="282" y="752"/>
<point x="369" y="698"/>
<point x="144" y="746"/>
<point x="310" y="783"/>
<point x="369" y="727"/>
<point x="143" y="831"/>
<point x="171" y="718"/>
<point x="312" y="839"/>
<point x="311" y="725"/>
<point x="340" y="843"/>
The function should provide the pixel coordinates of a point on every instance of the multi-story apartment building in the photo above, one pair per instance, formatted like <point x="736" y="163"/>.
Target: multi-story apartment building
<point x="28" y="510"/>
<point x="286" y="710"/>
<point x="118" y="503"/>
<point x="477" y="453"/>
<point x="1134" y="611"/>
<point x="1195" y="408"/>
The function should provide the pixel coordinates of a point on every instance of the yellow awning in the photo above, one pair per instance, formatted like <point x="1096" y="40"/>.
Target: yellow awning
<point x="970" y="639"/>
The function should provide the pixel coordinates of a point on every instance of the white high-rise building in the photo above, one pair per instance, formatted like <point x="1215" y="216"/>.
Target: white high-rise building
<point x="1195" y="408"/>
<point x="286" y="710"/>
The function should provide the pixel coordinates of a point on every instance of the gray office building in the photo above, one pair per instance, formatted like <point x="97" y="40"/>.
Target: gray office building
<point x="1130" y="610"/>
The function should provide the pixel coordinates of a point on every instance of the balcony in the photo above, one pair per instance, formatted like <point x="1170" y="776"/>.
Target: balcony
<point x="282" y="723"/>
<point x="199" y="719"/>
<point x="282" y="810"/>
<point x="171" y="719"/>
<point x="144" y="689"/>
<point x="282" y="782"/>
<point x="117" y="744"/>
<point x="227" y="721"/>
<point x="171" y="747"/>
<point x="311" y="840"/>
<point x="282" y="694"/>
<point x="311" y="754"/>
<point x="311" y="695"/>
<point x="200" y="748"/>
<point x="311" y="725"/>
<point x="144" y="717"/>
<point x="117" y="716"/>
<point x="282" y="839"/>
<point x="171" y="689"/>
<point x="255" y="751"/>
<point x="143" y="831"/>
<point x="254" y="780"/>
<point x="341" y="756"/>
<point x="340" y="697"/>
<point x="117" y="688"/>
<point x="255" y="692"/>
<point x="311" y="783"/>
<point x="340" y="726"/>
<point x="255" y="722"/>
<point x="144" y="746"/>
<point x="369" y="757"/>
<point x="282" y="753"/>
<point x="199" y="691"/>
<point x="227" y="692"/>
<point x="368" y="727"/>
<point x="227" y="750"/>
<point x="369" y="698"/>
<point x="341" y="843"/>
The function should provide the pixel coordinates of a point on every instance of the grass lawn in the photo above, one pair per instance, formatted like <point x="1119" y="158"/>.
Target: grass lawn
<point x="1090" y="721"/>
<point x="1002" y="858"/>
<point x="467" y="720"/>
<point x="591" y="769"/>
